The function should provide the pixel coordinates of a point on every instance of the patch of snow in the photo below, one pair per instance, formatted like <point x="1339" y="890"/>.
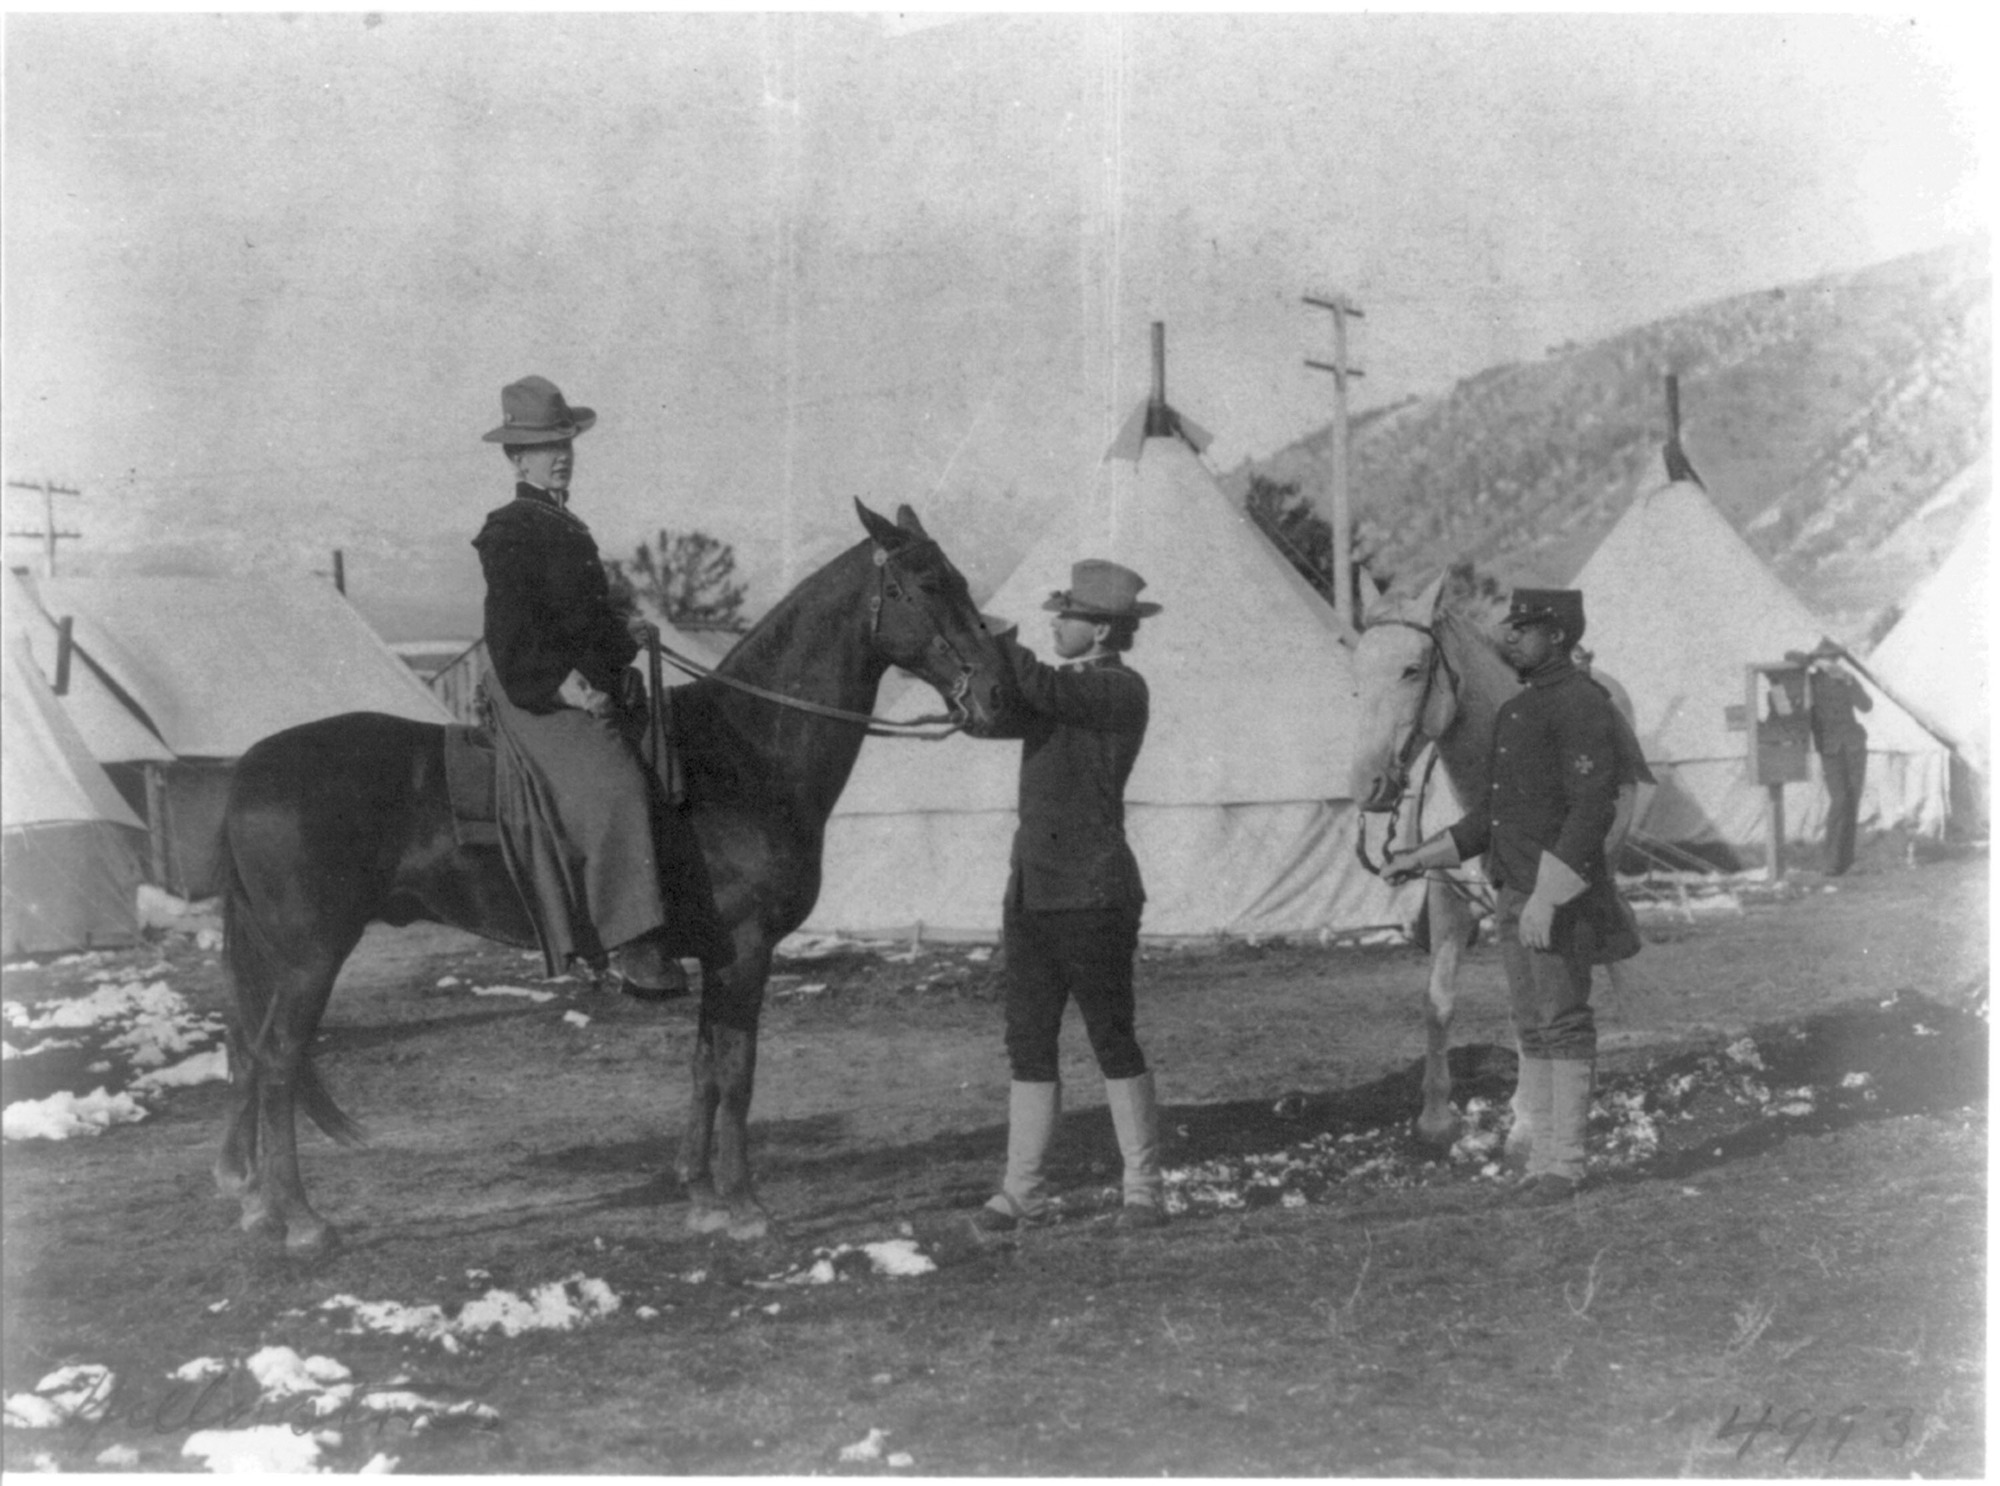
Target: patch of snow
<point x="63" y="1115"/>
<point x="118" y="1456"/>
<point x="380" y="1465"/>
<point x="576" y="1019"/>
<point x="449" y="981"/>
<point x="210" y="1067"/>
<point x="80" y="1391"/>
<point x="1856" y="1080"/>
<point x="865" y="1450"/>
<point x="263" y="1449"/>
<point x="560" y="1305"/>
<point x="514" y="991"/>
<point x="200" y="1370"/>
<point x="1744" y="1050"/>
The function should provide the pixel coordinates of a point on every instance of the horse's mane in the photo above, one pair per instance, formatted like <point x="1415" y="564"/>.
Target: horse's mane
<point x="1478" y="600"/>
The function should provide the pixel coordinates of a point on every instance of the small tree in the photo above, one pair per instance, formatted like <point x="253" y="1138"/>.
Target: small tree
<point x="1302" y="535"/>
<point x="685" y="575"/>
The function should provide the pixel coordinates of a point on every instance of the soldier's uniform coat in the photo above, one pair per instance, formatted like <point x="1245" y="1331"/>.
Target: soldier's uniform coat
<point x="1555" y="770"/>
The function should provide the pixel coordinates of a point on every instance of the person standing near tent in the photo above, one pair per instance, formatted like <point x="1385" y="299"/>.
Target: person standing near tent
<point x="606" y="862"/>
<point x="1832" y="698"/>
<point x="1553" y="800"/>
<point x="1070" y="920"/>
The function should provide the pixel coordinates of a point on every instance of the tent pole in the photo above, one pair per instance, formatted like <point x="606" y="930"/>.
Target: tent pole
<point x="1774" y="822"/>
<point x="156" y="824"/>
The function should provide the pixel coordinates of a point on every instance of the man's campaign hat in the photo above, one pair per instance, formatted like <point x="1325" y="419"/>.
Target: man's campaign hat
<point x="1562" y="607"/>
<point x="1101" y="590"/>
<point x="532" y="411"/>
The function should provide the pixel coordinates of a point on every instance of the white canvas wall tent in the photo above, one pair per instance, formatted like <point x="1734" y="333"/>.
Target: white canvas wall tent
<point x="209" y="666"/>
<point x="1678" y="605"/>
<point x="1935" y="660"/>
<point x="72" y="846"/>
<point x="1238" y="810"/>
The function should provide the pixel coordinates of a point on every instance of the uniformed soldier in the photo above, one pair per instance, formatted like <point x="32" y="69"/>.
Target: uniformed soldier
<point x="616" y="869"/>
<point x="1552" y="800"/>
<point x="1070" y="921"/>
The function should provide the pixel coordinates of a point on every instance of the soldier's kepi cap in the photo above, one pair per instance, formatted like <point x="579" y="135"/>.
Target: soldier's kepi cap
<point x="1562" y="607"/>
<point x="532" y="411"/>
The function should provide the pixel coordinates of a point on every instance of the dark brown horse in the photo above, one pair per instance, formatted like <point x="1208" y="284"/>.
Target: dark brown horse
<point x="345" y="822"/>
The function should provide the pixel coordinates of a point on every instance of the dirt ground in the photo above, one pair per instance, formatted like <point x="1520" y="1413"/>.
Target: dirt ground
<point x="1780" y="1272"/>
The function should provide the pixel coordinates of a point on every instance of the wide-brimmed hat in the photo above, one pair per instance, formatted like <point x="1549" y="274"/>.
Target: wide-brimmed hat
<point x="1558" y="606"/>
<point x="532" y="411"/>
<point x="1101" y="590"/>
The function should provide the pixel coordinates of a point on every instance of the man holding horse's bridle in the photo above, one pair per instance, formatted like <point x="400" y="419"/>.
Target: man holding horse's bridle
<point x="1070" y="921"/>
<point x="1554" y="773"/>
<point x="609" y="863"/>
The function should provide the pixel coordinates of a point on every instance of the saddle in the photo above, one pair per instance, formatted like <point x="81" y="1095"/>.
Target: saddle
<point x="471" y="774"/>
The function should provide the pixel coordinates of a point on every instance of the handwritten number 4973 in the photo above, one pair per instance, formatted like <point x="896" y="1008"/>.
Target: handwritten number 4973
<point x="1893" y="1428"/>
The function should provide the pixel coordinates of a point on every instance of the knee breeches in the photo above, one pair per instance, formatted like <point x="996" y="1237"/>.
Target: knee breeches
<point x="1056" y="956"/>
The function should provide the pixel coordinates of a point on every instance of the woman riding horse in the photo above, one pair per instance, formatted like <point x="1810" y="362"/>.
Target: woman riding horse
<point x="607" y="861"/>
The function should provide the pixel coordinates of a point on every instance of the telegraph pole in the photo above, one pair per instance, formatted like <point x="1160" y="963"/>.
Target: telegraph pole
<point x="1338" y="516"/>
<point x="49" y="534"/>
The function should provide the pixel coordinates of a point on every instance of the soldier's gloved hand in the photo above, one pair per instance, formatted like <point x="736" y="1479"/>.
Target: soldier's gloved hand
<point x="1538" y="917"/>
<point x="1555" y="884"/>
<point x="643" y="631"/>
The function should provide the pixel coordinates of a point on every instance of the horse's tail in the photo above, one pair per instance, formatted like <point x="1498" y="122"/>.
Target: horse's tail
<point x="253" y="963"/>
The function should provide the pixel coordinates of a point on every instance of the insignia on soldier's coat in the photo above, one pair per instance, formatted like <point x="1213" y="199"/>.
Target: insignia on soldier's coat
<point x="1584" y="763"/>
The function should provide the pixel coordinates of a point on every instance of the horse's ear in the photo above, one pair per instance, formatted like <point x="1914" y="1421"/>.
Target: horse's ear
<point x="879" y="528"/>
<point x="1432" y="594"/>
<point x="907" y="519"/>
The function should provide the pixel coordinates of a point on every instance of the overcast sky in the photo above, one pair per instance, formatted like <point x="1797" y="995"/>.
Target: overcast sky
<point x="265" y="276"/>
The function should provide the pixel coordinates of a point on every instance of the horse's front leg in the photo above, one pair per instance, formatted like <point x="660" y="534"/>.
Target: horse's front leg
<point x="1450" y="921"/>
<point x="715" y="1151"/>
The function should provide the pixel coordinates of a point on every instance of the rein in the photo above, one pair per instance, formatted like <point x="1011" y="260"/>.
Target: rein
<point x="878" y="727"/>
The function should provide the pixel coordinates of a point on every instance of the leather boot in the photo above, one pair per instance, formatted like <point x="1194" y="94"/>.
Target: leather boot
<point x="1032" y="1112"/>
<point x="647" y="970"/>
<point x="1556" y="1169"/>
<point x="1135" y="1115"/>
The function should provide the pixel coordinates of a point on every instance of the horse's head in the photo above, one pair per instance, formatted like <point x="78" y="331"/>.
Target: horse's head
<point x="1407" y="691"/>
<point x="924" y="621"/>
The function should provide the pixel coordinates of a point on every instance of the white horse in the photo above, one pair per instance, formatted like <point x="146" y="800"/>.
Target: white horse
<point x="1429" y="672"/>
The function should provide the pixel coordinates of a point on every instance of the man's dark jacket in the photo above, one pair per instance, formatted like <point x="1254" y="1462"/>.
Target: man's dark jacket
<point x="1081" y="732"/>
<point x="548" y="604"/>
<point x="1555" y="766"/>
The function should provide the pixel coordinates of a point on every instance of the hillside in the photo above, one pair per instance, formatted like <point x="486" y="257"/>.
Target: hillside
<point x="1841" y="425"/>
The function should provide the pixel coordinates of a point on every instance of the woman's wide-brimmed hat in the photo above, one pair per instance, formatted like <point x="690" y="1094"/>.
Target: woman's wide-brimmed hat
<point x="1101" y="590"/>
<point x="532" y="411"/>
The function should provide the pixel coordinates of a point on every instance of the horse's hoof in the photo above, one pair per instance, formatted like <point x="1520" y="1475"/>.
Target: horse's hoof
<point x="311" y="1240"/>
<point x="261" y="1220"/>
<point x="1436" y="1133"/>
<point x="704" y="1219"/>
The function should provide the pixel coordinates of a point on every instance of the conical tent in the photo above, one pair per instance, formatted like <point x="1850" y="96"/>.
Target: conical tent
<point x="1935" y="657"/>
<point x="72" y="847"/>
<point x="1678" y="605"/>
<point x="1238" y="809"/>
